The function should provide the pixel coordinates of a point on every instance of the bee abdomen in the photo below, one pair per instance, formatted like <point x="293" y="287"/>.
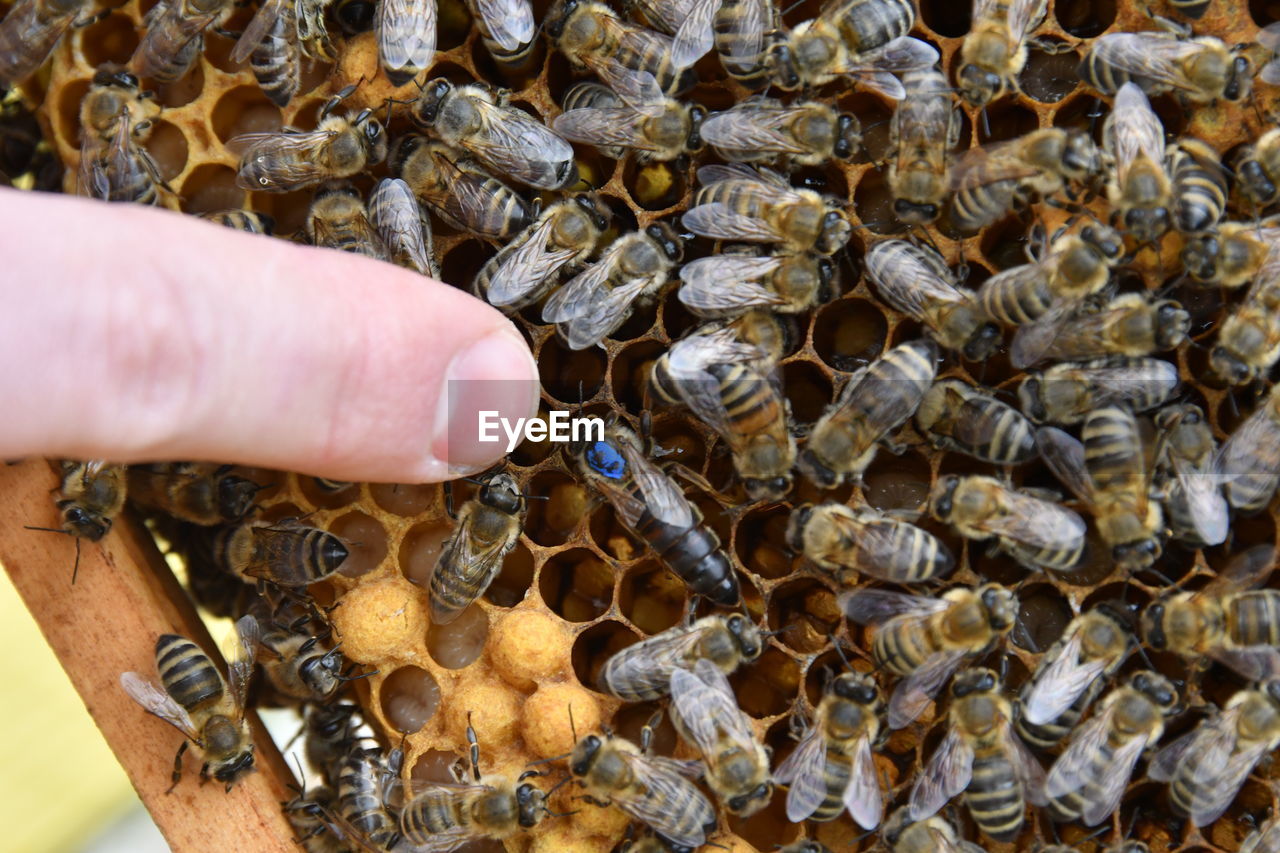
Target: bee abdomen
<point x="187" y="673"/>
<point x="275" y="62"/>
<point x="1199" y="186"/>
<point x="902" y="648"/>
<point x="836" y="773"/>
<point x="430" y="813"/>
<point x="694" y="555"/>
<point x="1254" y="618"/>
<point x="994" y="797"/>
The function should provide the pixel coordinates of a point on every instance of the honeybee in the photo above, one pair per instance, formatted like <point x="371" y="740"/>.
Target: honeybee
<point x="285" y="553"/>
<point x="507" y="28"/>
<point x="247" y="221"/>
<point x="926" y="639"/>
<point x="443" y="817"/>
<point x="989" y="182"/>
<point x="1071" y="674"/>
<point x="340" y="147"/>
<point x="652" y="507"/>
<point x="962" y="418"/>
<point x="367" y="782"/>
<point x="732" y="282"/>
<point x="651" y="789"/>
<point x="173" y="36"/>
<point x="995" y="50"/>
<point x="1248" y="343"/>
<point x="1075" y="266"/>
<point x="706" y="714"/>
<point x="1229" y="620"/>
<point x="591" y="36"/>
<point x="1234" y="255"/>
<point x="31" y="29"/>
<point x="198" y="492"/>
<point x="916" y="281"/>
<point x="1264" y="839"/>
<point x="1199" y="185"/>
<point x="846" y="541"/>
<point x="594" y="303"/>
<point x="406" y="35"/>
<point x="396" y="216"/>
<point x="832" y="770"/>
<point x="1196" y="508"/>
<point x="297" y="663"/>
<point x="115" y="119"/>
<point x="1088" y="779"/>
<point x="715" y="375"/>
<point x="338" y="219"/>
<point x="642" y="672"/>
<point x="310" y="815"/>
<point x="488" y="528"/>
<point x="90" y="496"/>
<point x="459" y="191"/>
<point x="850" y="36"/>
<point x="1108" y="472"/>
<point x="982" y="756"/>
<point x="1067" y="393"/>
<point x="197" y="702"/>
<point x="737" y="202"/>
<point x="480" y="121"/>
<point x="740" y="30"/>
<point x="330" y="735"/>
<point x="641" y="118"/>
<point x="563" y="237"/>
<point x="589" y="95"/>
<point x="270" y="45"/>
<point x="1037" y="533"/>
<point x="1199" y="70"/>
<point x="1258" y="170"/>
<point x="1139" y="188"/>
<point x="1131" y="324"/>
<point x="924" y="131"/>
<point x="805" y="133"/>
<point x="1207" y="767"/>
<point x="932" y="835"/>
<point x="1246" y="462"/>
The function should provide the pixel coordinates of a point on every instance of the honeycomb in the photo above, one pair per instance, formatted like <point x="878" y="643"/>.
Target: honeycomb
<point x="577" y="588"/>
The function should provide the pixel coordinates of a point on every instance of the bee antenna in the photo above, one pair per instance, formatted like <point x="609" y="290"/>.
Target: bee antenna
<point x="557" y="786"/>
<point x="1145" y="657"/>
<point x="302" y="778"/>
<point x="572" y="729"/>
<point x="553" y="758"/>
<point x="840" y="652"/>
<point x="345" y="678"/>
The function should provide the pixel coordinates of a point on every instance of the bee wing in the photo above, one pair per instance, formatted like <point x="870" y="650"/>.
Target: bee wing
<point x="720" y="222"/>
<point x="1025" y="16"/>
<point x="694" y="37"/>
<point x="1072" y="770"/>
<point x="654" y="661"/>
<point x="286" y="158"/>
<point x="156" y="701"/>
<point x="977" y="167"/>
<point x="1064" y="455"/>
<point x="406" y="33"/>
<point x="92" y="180"/>
<point x="1149" y="56"/>
<point x="689" y="361"/>
<point x="663" y="498"/>
<point x="1164" y="764"/>
<point x="603" y="126"/>
<point x="725" y="283"/>
<point x="650" y="803"/>
<point x="1224" y="763"/>
<point x="638" y="89"/>
<point x="880" y="547"/>
<point x="752" y="128"/>
<point x="509" y="22"/>
<point x="907" y="280"/>
<point x="397" y="217"/>
<point x="264" y="19"/>
<point x="1061" y="683"/>
<point x="803" y="771"/>
<point x="576" y="297"/>
<point x="1099" y="784"/>
<point x="1037" y="523"/>
<point x="875" y="606"/>
<point x="1135" y="131"/>
<point x="1210" y="514"/>
<point x="1033" y="340"/>
<point x="768" y="179"/>
<point x="1257" y="438"/>
<point x="1129" y="382"/>
<point x="527" y="267"/>
<point x="746" y="30"/>
<point x="914" y="693"/>
<point x="706" y="705"/>
<point x="599" y="313"/>
<point x="1255" y="663"/>
<point x="1025" y="766"/>
<point x="240" y="657"/>
<point x="862" y="795"/>
<point x="876" y="69"/>
<point x="517" y="143"/>
<point x="1269" y="37"/>
<point x="948" y="772"/>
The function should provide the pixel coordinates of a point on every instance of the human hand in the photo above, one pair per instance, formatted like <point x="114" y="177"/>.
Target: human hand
<point x="130" y="333"/>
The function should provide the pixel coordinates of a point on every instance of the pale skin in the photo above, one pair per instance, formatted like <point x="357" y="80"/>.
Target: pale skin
<point x="130" y="334"/>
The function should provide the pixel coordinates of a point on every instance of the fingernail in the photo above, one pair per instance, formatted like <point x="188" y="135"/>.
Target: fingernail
<point x="488" y="388"/>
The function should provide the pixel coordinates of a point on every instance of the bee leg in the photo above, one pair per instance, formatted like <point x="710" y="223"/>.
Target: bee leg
<point x="475" y="749"/>
<point x="646" y="733"/>
<point x="177" y="766"/>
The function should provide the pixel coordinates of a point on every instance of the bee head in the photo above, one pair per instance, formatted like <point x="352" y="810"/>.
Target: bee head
<point x="426" y="109"/>
<point x="1001" y="606"/>
<point x="1254" y="182"/>
<point x="752" y="801"/>
<point x="323" y="674"/>
<point x="594" y="209"/>
<point x="375" y="136"/>
<point x="767" y="488"/>
<point x="332" y="553"/>
<point x="1200" y="256"/>
<point x="1172" y="326"/>
<point x="782" y="62"/>
<point x="235" y="496"/>
<point x="915" y="212"/>
<point x="983" y="342"/>
<point x="746" y="635"/>
<point x="117" y="77"/>
<point x="848" y="136"/>
<point x="820" y="474"/>
<point x="1240" y="79"/>
<point x="89" y="525"/>
<point x="502" y="493"/>
<point x="796" y="524"/>
<point x="1229" y="367"/>
<point x="893" y="827"/>
<point x="697" y="115"/>
<point x="1139" y="554"/>
<point x="1030" y="400"/>
<point x="1153" y="626"/>
<point x="532" y="804"/>
<point x="835" y="232"/>
<point x="1147" y="223"/>
<point x="584" y="754"/>
<point x="1080" y="155"/>
<point x="558" y="16"/>
<point x="1104" y="239"/>
<point x="975" y="680"/>
<point x="1158" y="689"/>
<point x="1272" y="689"/>
<point x="856" y="687"/>
<point x="233" y="768"/>
<point x="667" y="239"/>
<point x="944" y="496"/>
<point x="979" y="86"/>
